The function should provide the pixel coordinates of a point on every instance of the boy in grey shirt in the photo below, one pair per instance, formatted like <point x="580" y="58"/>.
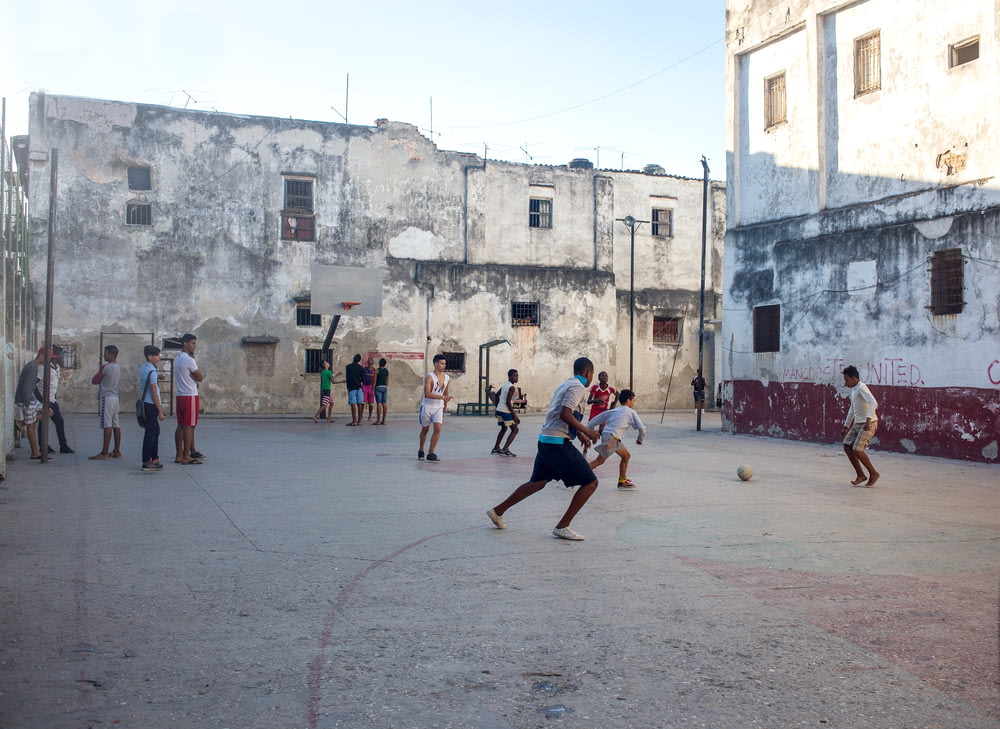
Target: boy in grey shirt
<point x="107" y="379"/>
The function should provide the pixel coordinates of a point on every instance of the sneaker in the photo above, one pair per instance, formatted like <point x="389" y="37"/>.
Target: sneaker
<point x="496" y="519"/>
<point x="567" y="533"/>
<point x="197" y="454"/>
<point x="66" y="449"/>
<point x="152" y="466"/>
<point x="626" y="484"/>
<point x="496" y="452"/>
<point x="420" y="455"/>
<point x="432" y="457"/>
<point x="506" y="452"/>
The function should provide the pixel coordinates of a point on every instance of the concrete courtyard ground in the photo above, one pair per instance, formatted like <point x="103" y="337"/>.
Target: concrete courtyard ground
<point x="316" y="576"/>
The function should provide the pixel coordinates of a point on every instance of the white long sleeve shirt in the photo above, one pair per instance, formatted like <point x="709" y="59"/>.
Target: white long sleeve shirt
<point x="863" y="405"/>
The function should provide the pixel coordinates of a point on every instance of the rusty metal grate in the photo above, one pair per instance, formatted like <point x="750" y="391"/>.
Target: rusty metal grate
<point x="947" y="282"/>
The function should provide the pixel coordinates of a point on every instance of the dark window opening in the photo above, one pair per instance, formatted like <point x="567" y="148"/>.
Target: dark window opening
<point x="524" y="314"/>
<point x="666" y="330"/>
<point x="138" y="214"/>
<point x="964" y="52"/>
<point x="539" y="213"/>
<point x="305" y="318"/>
<point x="947" y="282"/>
<point x="139" y="178"/>
<point x="314" y="361"/>
<point x="298" y="221"/>
<point x="298" y="227"/>
<point x="767" y="328"/>
<point x="454" y="361"/>
<point x="663" y="222"/>
<point x="171" y="343"/>
<point x="299" y="196"/>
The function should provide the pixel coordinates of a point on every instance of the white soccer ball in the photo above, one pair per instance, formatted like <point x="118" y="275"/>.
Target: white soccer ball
<point x="745" y="472"/>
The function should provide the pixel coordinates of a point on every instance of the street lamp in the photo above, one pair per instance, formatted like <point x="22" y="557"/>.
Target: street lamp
<point x="631" y="223"/>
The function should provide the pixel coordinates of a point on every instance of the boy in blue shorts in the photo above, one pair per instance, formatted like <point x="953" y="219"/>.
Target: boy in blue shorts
<point x="558" y="459"/>
<point x="506" y="417"/>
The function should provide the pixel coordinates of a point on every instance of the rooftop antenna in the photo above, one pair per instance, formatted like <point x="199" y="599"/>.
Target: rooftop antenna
<point x="527" y="157"/>
<point x="347" y="99"/>
<point x="432" y="117"/>
<point x="189" y="98"/>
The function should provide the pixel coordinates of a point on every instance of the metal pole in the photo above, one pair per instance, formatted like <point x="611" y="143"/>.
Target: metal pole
<point x="43" y="434"/>
<point x="631" y="306"/>
<point x="701" y="314"/>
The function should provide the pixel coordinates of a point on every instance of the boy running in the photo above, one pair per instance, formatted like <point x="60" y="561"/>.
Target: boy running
<point x="558" y="459"/>
<point x="612" y="424"/>
<point x="432" y="407"/>
<point x="506" y="417"/>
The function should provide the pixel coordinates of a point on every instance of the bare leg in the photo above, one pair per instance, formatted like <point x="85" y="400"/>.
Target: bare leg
<point x="867" y="463"/>
<point x="597" y="461"/>
<point x="510" y="438"/>
<point x="423" y="435"/>
<point x="579" y="499"/>
<point x="106" y="449"/>
<point x="118" y="440"/>
<point x="503" y="429"/>
<point x="179" y="443"/>
<point x="856" y="463"/>
<point x="33" y="440"/>
<point x="435" y="437"/>
<point x="519" y="494"/>
<point x="623" y="466"/>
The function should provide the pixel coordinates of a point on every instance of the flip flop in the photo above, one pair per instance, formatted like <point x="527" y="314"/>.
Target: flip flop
<point x="192" y="462"/>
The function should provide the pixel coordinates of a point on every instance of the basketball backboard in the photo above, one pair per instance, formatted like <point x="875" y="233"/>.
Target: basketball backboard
<point x="346" y="290"/>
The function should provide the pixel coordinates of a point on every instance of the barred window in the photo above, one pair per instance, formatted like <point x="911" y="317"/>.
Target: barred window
<point x="304" y="316"/>
<point x="947" y="282"/>
<point x="867" y="64"/>
<point x="524" y="314"/>
<point x="314" y="361"/>
<point x="775" y="110"/>
<point x="298" y="220"/>
<point x="666" y="330"/>
<point x="454" y="361"/>
<point x="67" y="356"/>
<point x="138" y="213"/>
<point x="539" y="212"/>
<point x="767" y="328"/>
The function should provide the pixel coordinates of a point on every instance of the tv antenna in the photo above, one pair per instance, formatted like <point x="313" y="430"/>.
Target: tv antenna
<point x="347" y="98"/>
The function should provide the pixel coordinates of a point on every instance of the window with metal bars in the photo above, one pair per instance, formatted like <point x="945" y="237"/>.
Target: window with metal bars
<point x="663" y="222"/>
<point x="867" y="64"/>
<point x="539" y="212"/>
<point x="524" y="314"/>
<point x="138" y="213"/>
<point x="304" y="316"/>
<point x="947" y="282"/>
<point x="67" y="356"/>
<point x="454" y="361"/>
<point x="314" y="361"/>
<point x="666" y="330"/>
<point x="775" y="109"/>
<point x="767" y="328"/>
<point x="298" y="221"/>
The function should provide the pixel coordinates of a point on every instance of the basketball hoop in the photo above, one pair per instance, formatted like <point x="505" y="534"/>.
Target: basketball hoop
<point x="349" y="304"/>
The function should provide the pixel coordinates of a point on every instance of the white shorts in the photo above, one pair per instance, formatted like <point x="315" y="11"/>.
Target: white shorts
<point x="430" y="415"/>
<point x="108" y="411"/>
<point x="608" y="445"/>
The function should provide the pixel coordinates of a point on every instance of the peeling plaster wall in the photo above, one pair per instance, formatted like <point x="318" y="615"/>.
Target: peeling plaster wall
<point x="848" y="259"/>
<point x="448" y="230"/>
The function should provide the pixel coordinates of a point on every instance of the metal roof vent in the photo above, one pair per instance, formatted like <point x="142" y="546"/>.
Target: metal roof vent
<point x="580" y="163"/>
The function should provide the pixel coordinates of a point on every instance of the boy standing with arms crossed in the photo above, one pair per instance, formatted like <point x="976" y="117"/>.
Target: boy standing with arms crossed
<point x="187" y="376"/>
<point x="107" y="379"/>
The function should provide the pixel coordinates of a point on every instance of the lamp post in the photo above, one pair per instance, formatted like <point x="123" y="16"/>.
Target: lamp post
<point x="631" y="223"/>
<point x="701" y="311"/>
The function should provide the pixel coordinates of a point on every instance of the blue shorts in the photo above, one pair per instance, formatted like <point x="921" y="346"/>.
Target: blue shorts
<point x="381" y="394"/>
<point x="503" y="418"/>
<point x="561" y="462"/>
<point x="355" y="397"/>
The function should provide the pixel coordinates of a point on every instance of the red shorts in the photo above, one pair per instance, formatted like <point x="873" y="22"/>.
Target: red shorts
<point x="187" y="410"/>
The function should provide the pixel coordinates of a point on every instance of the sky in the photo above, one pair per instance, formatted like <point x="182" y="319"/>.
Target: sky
<point x="623" y="84"/>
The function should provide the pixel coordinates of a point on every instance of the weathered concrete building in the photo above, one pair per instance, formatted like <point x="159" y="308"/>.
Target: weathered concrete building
<point x="864" y="220"/>
<point x="171" y="220"/>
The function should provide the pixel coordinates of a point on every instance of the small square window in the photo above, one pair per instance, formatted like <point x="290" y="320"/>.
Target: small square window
<point x="539" y="213"/>
<point x="867" y="64"/>
<point x="304" y="316"/>
<point x="666" y="330"/>
<point x="767" y="328"/>
<point x="524" y="314"/>
<point x="947" y="282"/>
<point x="314" y="361"/>
<point x="137" y="213"/>
<point x="454" y="361"/>
<point x="775" y="109"/>
<point x="139" y="178"/>
<point x="663" y="222"/>
<point x="965" y="52"/>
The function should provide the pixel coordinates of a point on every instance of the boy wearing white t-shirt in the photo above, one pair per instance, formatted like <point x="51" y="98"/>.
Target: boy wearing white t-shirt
<point x="612" y="425"/>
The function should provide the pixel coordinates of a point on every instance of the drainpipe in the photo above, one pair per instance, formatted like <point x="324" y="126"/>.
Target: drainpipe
<point x="465" y="208"/>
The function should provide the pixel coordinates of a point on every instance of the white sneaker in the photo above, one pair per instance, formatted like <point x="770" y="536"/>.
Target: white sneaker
<point x="567" y="533"/>
<point x="496" y="519"/>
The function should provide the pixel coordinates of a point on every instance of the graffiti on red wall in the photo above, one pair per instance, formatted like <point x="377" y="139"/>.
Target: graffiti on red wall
<point x="892" y="371"/>
<point x="993" y="372"/>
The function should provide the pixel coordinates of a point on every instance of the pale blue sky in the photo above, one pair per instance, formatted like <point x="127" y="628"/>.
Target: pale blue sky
<point x="640" y="78"/>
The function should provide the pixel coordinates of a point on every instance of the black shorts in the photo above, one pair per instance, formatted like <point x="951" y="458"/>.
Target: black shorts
<point x="561" y="462"/>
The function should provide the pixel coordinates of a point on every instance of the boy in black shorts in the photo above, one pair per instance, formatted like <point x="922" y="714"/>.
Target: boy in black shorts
<point x="558" y="459"/>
